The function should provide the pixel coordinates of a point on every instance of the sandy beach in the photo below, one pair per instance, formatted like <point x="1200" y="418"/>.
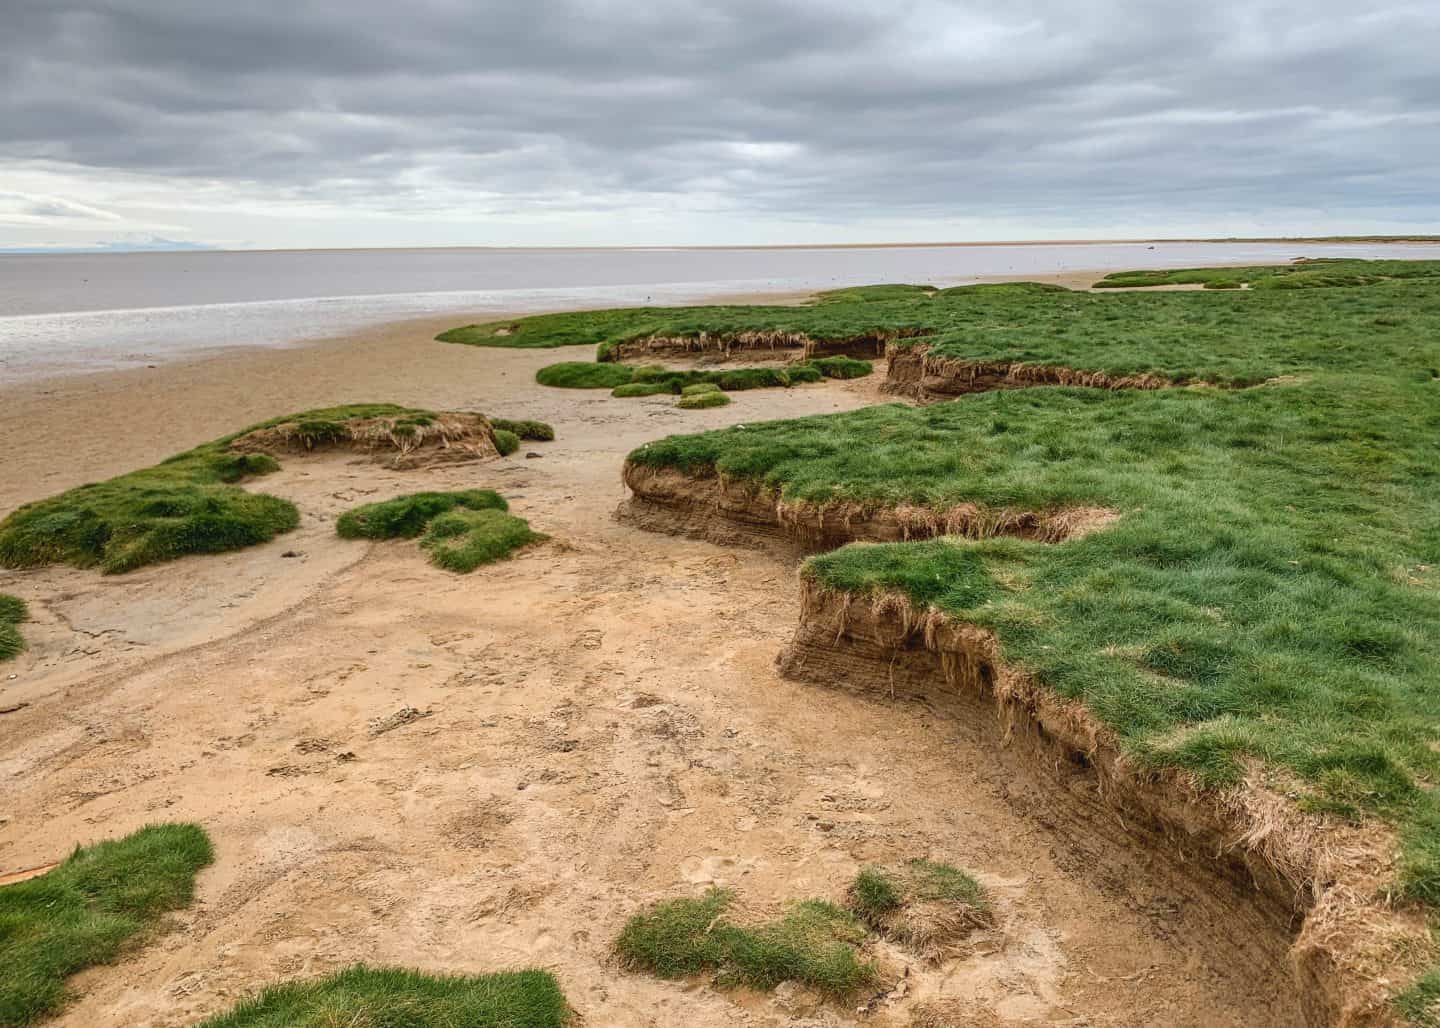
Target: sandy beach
<point x="605" y="727"/>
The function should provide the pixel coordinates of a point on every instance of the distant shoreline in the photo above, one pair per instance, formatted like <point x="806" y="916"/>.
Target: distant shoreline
<point x="1218" y="240"/>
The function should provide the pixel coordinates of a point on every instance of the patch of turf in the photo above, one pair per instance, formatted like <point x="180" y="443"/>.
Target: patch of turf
<point x="813" y="943"/>
<point x="13" y="613"/>
<point x="534" y="431"/>
<point x="405" y="517"/>
<point x="921" y="904"/>
<point x="370" y="997"/>
<point x="1270" y="591"/>
<point x="697" y="388"/>
<point x="86" y="910"/>
<point x="841" y="367"/>
<point x="506" y="443"/>
<point x="584" y="375"/>
<point x="641" y="389"/>
<point x="184" y="505"/>
<point x="1322" y="273"/>
<point x="461" y="539"/>
<point x="703" y="401"/>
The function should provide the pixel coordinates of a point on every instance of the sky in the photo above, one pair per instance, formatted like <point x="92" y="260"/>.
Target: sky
<point x="295" y="123"/>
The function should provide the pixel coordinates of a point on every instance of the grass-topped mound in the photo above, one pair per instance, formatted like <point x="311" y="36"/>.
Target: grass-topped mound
<point x="1265" y="607"/>
<point x="85" y="912"/>
<point x="13" y="613"/>
<point x="405" y="517"/>
<point x="464" y="539"/>
<point x="191" y="503"/>
<point x="372" y="997"/>
<point x="703" y="401"/>
<point x="461" y="530"/>
<point x="649" y="380"/>
<point x="923" y="905"/>
<point x="814" y="943"/>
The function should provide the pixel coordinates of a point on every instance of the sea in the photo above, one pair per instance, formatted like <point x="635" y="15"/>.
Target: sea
<point x="80" y="313"/>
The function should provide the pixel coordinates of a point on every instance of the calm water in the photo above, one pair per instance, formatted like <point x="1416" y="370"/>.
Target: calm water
<point x="78" y="312"/>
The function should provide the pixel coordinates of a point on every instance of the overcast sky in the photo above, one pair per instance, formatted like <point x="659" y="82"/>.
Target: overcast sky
<point x="277" y="123"/>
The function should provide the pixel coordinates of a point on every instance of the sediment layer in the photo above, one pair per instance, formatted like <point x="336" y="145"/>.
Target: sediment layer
<point x="1291" y="899"/>
<point x="737" y="512"/>
<point x="915" y="373"/>
<point x="866" y="345"/>
<point x="399" y="441"/>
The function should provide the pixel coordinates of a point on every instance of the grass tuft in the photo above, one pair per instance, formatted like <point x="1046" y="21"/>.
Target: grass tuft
<point x="697" y="388"/>
<point x="923" y="905"/>
<point x="13" y="613"/>
<point x="533" y="431"/>
<point x="371" y="997"/>
<point x="584" y="375"/>
<point x="703" y="401"/>
<point x="462" y="539"/>
<point x="85" y="911"/>
<point x="405" y="517"/>
<point x="506" y="443"/>
<point x="813" y="943"/>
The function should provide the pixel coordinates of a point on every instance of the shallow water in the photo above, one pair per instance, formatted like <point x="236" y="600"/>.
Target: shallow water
<point x="68" y="313"/>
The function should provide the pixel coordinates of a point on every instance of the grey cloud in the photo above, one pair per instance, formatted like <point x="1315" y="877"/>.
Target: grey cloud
<point x="780" y="109"/>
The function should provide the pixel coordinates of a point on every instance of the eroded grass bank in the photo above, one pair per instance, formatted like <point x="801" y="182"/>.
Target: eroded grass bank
<point x="1267" y="596"/>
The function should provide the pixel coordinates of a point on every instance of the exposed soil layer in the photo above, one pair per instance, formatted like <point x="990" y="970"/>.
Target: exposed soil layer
<point x="913" y="372"/>
<point x="866" y="346"/>
<point x="1256" y="885"/>
<point x="738" y="512"/>
<point x="399" y="441"/>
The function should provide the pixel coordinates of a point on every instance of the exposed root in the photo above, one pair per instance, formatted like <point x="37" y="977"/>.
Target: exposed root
<point x="913" y="372"/>
<point x="1245" y="865"/>
<point x="401" y="440"/>
<point x="729" y="511"/>
<point x="870" y="344"/>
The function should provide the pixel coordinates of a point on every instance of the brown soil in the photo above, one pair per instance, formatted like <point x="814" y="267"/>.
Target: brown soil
<point x="605" y="727"/>
<point x="914" y="373"/>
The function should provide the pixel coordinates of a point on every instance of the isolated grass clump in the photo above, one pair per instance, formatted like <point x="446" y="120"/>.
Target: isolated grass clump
<point x="534" y="431"/>
<point x="371" y="997"/>
<point x="924" y="905"/>
<point x="186" y="505"/>
<point x="584" y="375"/>
<point x="462" y="539"/>
<point x="13" y="613"/>
<point x="85" y="911"/>
<point x="405" y="517"/>
<point x="698" y="388"/>
<point x="506" y="442"/>
<point x="703" y="401"/>
<point x="841" y="367"/>
<point x="814" y="943"/>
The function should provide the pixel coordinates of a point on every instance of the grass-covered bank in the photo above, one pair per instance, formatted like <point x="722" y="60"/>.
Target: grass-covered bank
<point x="86" y="910"/>
<point x="192" y="502"/>
<point x="1226" y="337"/>
<point x="377" y="997"/>
<point x="1269" y="593"/>
<point x="13" y="614"/>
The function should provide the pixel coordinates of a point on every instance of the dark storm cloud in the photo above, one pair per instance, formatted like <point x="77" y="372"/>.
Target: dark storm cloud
<point x="784" y="108"/>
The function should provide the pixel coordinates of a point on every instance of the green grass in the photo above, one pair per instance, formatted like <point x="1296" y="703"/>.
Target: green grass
<point x="187" y="504"/>
<point x="534" y="431"/>
<point x="405" y="517"/>
<point x="506" y="442"/>
<point x="13" y="613"/>
<point x="370" y="997"/>
<point x="841" y="367"/>
<point x="703" y="401"/>
<point x="584" y="375"/>
<point x="877" y="891"/>
<point x="87" y="910"/>
<point x="813" y="943"/>
<point x="698" y="388"/>
<point x="1325" y="273"/>
<point x="1271" y="591"/>
<point x="627" y="380"/>
<point x="461" y="540"/>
